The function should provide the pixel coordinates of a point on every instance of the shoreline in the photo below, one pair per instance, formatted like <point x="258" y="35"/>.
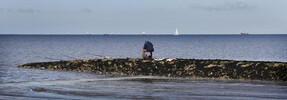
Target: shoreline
<point x="186" y="68"/>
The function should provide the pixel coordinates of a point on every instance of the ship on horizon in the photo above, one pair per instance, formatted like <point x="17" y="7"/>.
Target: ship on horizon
<point x="244" y="33"/>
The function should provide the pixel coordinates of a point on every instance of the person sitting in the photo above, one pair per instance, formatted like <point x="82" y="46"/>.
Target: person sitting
<point x="148" y="47"/>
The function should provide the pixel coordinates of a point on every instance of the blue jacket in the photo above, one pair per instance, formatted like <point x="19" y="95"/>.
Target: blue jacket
<point x="148" y="46"/>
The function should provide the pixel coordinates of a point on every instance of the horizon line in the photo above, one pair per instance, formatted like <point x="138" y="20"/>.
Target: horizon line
<point x="137" y="34"/>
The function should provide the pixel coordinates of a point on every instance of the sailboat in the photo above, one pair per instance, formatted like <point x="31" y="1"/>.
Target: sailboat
<point x="176" y="32"/>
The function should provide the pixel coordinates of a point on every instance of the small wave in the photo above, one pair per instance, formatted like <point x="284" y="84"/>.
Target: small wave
<point x="88" y="80"/>
<point x="245" y="84"/>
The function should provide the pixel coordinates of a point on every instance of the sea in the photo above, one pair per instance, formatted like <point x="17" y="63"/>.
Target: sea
<point x="34" y="84"/>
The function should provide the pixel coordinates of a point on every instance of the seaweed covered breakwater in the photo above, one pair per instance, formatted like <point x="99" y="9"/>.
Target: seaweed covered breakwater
<point x="224" y="69"/>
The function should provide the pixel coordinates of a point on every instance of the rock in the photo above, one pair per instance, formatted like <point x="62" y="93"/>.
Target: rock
<point x="213" y="65"/>
<point x="109" y="63"/>
<point x="224" y="69"/>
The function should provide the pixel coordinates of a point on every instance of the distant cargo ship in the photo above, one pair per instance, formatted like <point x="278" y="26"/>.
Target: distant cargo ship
<point x="244" y="33"/>
<point x="107" y="33"/>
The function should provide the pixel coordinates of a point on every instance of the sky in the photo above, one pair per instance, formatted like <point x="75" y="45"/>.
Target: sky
<point x="137" y="16"/>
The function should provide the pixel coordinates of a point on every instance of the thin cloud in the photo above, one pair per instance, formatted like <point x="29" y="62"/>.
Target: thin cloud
<point x="226" y="6"/>
<point x="9" y="10"/>
<point x="5" y="10"/>
<point x="20" y="10"/>
<point x="28" y="10"/>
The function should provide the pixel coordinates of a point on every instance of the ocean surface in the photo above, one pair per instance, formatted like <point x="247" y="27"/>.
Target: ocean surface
<point x="21" y="83"/>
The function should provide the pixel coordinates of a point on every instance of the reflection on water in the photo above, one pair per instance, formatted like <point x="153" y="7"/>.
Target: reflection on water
<point x="21" y="83"/>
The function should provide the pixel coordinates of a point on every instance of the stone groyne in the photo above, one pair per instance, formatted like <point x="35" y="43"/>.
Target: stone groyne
<point x="224" y="69"/>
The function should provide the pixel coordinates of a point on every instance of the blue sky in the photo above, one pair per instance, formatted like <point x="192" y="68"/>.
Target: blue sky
<point x="136" y="16"/>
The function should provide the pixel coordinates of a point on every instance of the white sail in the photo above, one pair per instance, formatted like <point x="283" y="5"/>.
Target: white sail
<point x="176" y="32"/>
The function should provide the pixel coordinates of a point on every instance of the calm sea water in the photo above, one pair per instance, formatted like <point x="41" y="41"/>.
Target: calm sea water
<point x="20" y="83"/>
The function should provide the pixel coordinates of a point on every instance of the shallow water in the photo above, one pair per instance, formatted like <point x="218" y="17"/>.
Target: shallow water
<point x="142" y="87"/>
<point x="21" y="83"/>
